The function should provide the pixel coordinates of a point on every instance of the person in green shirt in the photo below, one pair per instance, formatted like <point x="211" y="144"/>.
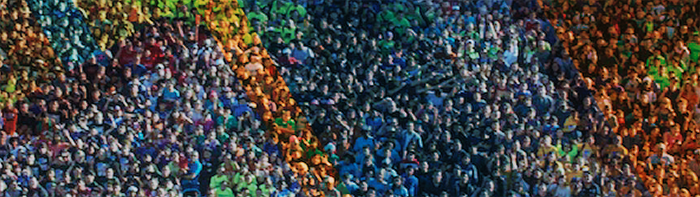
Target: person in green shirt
<point x="224" y="190"/>
<point x="301" y="11"/>
<point x="239" y="176"/>
<point x="249" y="183"/>
<point x="281" y="7"/>
<point x="219" y="179"/>
<point x="286" y="121"/>
<point x="695" y="48"/>
<point x="256" y="14"/>
<point x="400" y="23"/>
<point x="288" y="32"/>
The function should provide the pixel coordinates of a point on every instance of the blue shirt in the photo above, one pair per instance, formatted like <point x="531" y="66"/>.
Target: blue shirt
<point x="410" y="136"/>
<point x="401" y="191"/>
<point x="349" y="168"/>
<point x="228" y="102"/>
<point x="411" y="185"/>
<point x="381" y="188"/>
<point x="137" y="69"/>
<point x="375" y="123"/>
<point x="195" y="168"/>
<point x="168" y="95"/>
<point x="238" y="110"/>
<point x="363" y="141"/>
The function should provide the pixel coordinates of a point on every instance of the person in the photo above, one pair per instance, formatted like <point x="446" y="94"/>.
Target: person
<point x="660" y="156"/>
<point x="224" y="190"/>
<point x="589" y="187"/>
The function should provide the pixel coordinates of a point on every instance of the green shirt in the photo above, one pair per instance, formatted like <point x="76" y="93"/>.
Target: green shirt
<point x="252" y="187"/>
<point x="694" y="51"/>
<point x="216" y="181"/>
<point x="387" y="46"/>
<point x="386" y="15"/>
<point x="300" y="10"/>
<point x="224" y="193"/>
<point x="11" y="86"/>
<point x="288" y="34"/>
<point x="649" y="26"/>
<point x="281" y="7"/>
<point x="401" y="25"/>
<point x="572" y="153"/>
<point x="237" y="178"/>
<point x="281" y="123"/>
<point x="260" y="16"/>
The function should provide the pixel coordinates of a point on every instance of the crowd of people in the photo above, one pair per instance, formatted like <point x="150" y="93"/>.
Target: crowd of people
<point x="62" y="23"/>
<point x="444" y="98"/>
<point x="641" y="60"/>
<point x="159" y="112"/>
<point x="307" y="98"/>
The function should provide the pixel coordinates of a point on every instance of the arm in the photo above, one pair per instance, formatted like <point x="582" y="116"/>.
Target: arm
<point x="68" y="137"/>
<point x="395" y="90"/>
<point x="411" y="115"/>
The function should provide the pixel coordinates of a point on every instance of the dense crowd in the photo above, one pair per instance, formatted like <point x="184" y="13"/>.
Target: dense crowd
<point x="443" y="99"/>
<point x="473" y="98"/>
<point x="157" y="113"/>
<point x="641" y="60"/>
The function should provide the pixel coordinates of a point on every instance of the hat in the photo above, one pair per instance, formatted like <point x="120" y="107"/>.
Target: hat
<point x="133" y="189"/>
<point x="286" y="51"/>
<point x="160" y="67"/>
<point x="330" y="147"/>
<point x="525" y="93"/>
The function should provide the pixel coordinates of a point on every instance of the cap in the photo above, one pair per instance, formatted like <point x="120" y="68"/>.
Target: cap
<point x="160" y="67"/>
<point x="330" y="147"/>
<point x="525" y="93"/>
<point x="219" y="62"/>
